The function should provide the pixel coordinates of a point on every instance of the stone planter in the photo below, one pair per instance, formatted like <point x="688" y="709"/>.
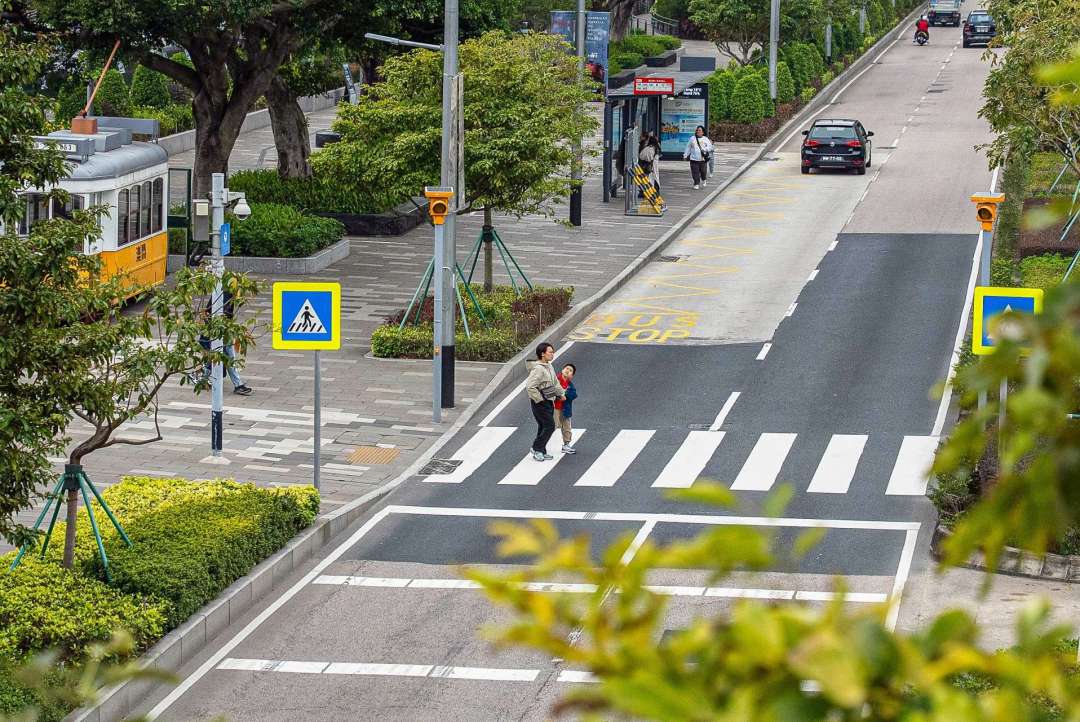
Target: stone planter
<point x="396" y="222"/>
<point x="277" y="266"/>
<point x="663" y="60"/>
<point x="623" y="77"/>
<point x="1060" y="567"/>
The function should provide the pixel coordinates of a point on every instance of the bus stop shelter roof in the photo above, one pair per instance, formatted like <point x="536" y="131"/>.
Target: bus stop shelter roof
<point x="683" y="80"/>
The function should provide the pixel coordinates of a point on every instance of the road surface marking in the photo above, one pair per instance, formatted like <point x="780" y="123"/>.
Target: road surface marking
<point x="902" y="571"/>
<point x="832" y="246"/>
<point x="911" y="472"/>
<point x="837" y="467"/>
<point x="574" y="676"/>
<point x="689" y="460"/>
<point x="615" y="458"/>
<point x="791" y="309"/>
<point x="381" y="670"/>
<point x="813" y="275"/>
<point x="761" y="468"/>
<point x="517" y="390"/>
<point x="474" y="452"/>
<point x="529" y="471"/>
<point x="764" y="351"/>
<point x="724" y="411"/>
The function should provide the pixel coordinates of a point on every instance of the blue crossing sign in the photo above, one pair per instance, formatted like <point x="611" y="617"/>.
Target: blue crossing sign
<point x="226" y="239"/>
<point x="307" y="316"/>
<point x="991" y="302"/>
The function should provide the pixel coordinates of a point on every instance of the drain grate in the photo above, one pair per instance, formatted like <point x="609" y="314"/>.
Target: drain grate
<point x="440" y="466"/>
<point x="669" y="259"/>
<point x="373" y="455"/>
<point x="937" y="90"/>
<point x="772" y="158"/>
<point x="886" y="147"/>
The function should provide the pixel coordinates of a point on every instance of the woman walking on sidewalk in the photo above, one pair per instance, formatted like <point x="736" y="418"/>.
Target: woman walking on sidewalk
<point x="699" y="151"/>
<point x="543" y="388"/>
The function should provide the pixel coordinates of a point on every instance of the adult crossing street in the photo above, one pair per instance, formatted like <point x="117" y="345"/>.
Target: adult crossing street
<point x="791" y="335"/>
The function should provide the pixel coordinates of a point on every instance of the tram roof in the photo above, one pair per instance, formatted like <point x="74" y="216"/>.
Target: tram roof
<point x="118" y="162"/>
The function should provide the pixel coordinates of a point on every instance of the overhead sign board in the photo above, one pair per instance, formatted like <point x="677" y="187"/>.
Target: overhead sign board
<point x="654" y="86"/>
<point x="307" y="316"/>
<point x="990" y="302"/>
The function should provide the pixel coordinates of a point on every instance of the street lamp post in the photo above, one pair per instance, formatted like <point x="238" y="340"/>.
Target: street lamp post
<point x="774" y="41"/>
<point x="576" y="167"/>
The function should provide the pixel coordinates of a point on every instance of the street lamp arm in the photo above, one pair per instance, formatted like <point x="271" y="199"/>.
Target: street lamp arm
<point x="399" y="41"/>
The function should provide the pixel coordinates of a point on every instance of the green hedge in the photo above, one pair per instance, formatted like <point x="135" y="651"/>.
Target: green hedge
<point x="264" y="185"/>
<point x="112" y="98"/>
<point x="486" y="344"/>
<point x="280" y="231"/>
<point x="191" y="539"/>
<point x="721" y="84"/>
<point x="785" y="85"/>
<point x="149" y="88"/>
<point x="624" y="61"/>
<point x="747" y="105"/>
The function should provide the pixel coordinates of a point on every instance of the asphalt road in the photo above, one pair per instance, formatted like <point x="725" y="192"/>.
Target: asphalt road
<point x="794" y="340"/>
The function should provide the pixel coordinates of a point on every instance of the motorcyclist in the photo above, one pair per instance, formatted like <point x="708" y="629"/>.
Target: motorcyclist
<point x="923" y="25"/>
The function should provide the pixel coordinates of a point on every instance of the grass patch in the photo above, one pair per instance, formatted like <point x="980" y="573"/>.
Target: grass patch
<point x="1045" y="271"/>
<point x="1045" y="168"/>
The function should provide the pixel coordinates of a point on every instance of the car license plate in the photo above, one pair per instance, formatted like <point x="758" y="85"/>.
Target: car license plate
<point x="982" y="28"/>
<point x="832" y="158"/>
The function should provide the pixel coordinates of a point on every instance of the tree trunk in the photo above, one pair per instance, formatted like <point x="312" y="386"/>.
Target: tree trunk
<point x="215" y="135"/>
<point x="488" y="242"/>
<point x="69" y="530"/>
<point x="290" y="131"/>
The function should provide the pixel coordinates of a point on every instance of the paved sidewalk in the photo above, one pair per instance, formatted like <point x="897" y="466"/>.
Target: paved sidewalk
<point x="376" y="412"/>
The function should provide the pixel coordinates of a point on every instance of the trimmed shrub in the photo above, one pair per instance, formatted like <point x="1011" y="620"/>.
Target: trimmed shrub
<point x="44" y="606"/>
<point x="172" y="119"/>
<point x="785" y="85"/>
<point x="71" y="100"/>
<point x="761" y="82"/>
<point x="626" y="60"/>
<point x="669" y="42"/>
<point x="747" y="105"/>
<point x="190" y="539"/>
<point x="112" y="98"/>
<point x="807" y="94"/>
<point x="149" y="88"/>
<point x="645" y="45"/>
<point x="826" y="78"/>
<point x="721" y="83"/>
<point x="264" y="185"/>
<point x="876" y="17"/>
<point x="281" y="231"/>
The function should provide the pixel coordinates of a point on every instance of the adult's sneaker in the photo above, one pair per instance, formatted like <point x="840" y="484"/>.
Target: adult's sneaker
<point x="540" y="456"/>
<point x="548" y="457"/>
<point x="567" y="449"/>
<point x="243" y="390"/>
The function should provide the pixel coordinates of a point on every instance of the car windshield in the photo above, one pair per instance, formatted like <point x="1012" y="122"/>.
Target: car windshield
<point x="845" y="132"/>
<point x="979" y="18"/>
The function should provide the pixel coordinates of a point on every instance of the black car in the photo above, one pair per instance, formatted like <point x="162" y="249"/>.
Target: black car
<point x="836" y="144"/>
<point x="979" y="28"/>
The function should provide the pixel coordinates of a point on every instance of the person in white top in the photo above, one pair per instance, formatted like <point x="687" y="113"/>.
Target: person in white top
<point x="699" y="151"/>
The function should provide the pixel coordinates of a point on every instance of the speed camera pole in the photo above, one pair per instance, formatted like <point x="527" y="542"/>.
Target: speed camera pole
<point x="447" y="257"/>
<point x="217" y="266"/>
<point x="439" y="207"/>
<point x="985" y="212"/>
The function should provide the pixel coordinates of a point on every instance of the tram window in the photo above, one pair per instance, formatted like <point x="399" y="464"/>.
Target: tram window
<point x="133" y="215"/>
<point x="35" y="209"/>
<point x="121" y="217"/>
<point x="159" y="188"/>
<point x="144" y="210"/>
<point x="68" y="208"/>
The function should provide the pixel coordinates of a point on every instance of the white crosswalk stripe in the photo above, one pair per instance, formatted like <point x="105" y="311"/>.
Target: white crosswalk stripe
<point x="690" y="460"/>
<point x="474" y="452"/>
<point x="615" y="458"/>
<point x="529" y="471"/>
<point x="911" y="473"/>
<point x="761" y="468"/>
<point x="612" y="453"/>
<point x="837" y="467"/>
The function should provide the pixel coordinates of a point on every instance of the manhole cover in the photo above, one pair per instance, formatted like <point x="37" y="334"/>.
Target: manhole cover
<point x="669" y="259"/>
<point x="373" y="455"/>
<point x="440" y="466"/>
<point x="771" y="158"/>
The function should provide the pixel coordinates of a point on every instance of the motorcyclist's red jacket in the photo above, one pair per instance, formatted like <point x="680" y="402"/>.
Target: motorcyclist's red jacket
<point x="923" y="25"/>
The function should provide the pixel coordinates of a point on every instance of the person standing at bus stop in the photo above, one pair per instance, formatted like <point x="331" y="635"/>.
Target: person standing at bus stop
<point x="699" y="151"/>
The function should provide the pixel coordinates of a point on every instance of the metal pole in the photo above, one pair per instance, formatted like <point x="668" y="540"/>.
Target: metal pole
<point x="318" y="416"/>
<point x="862" y="21"/>
<point x="576" y="169"/>
<point x="437" y="335"/>
<point x="1003" y="396"/>
<point x="774" y="41"/>
<point x="986" y="247"/>
<point x="608" y="150"/>
<point x="217" y="265"/>
<point x="828" y="43"/>
<point x="447" y="257"/>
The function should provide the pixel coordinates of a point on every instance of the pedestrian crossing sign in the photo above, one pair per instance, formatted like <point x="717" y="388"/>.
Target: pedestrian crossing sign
<point x="307" y="316"/>
<point x="992" y="301"/>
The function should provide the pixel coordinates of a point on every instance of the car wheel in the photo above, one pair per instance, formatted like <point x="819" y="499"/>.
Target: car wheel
<point x="869" y="157"/>
<point x="805" y="170"/>
<point x="861" y="171"/>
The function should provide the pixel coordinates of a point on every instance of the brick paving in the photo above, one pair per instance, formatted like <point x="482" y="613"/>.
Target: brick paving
<point x="369" y="402"/>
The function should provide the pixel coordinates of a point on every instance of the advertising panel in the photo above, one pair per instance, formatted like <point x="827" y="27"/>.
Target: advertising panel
<point x="678" y="118"/>
<point x="597" y="30"/>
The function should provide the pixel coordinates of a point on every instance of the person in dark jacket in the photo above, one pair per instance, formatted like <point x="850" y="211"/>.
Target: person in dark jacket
<point x="239" y="387"/>
<point x="564" y="407"/>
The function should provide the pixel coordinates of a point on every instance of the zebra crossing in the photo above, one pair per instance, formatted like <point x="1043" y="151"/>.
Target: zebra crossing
<point x="612" y="454"/>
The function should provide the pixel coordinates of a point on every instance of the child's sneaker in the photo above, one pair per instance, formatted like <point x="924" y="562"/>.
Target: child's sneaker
<point x="567" y="449"/>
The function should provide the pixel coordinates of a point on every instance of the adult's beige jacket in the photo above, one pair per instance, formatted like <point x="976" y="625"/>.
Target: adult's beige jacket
<point x="541" y="375"/>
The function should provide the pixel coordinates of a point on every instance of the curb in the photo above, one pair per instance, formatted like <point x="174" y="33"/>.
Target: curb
<point x="183" y="643"/>
<point x="272" y="266"/>
<point x="1017" y="562"/>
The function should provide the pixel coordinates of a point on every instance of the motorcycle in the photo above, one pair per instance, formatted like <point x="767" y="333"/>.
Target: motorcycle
<point x="922" y="37"/>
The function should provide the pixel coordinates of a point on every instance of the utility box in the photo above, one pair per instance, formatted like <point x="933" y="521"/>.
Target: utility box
<point x="326" y="137"/>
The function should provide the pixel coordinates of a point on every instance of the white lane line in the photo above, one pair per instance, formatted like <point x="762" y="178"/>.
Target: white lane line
<point x="764" y="351"/>
<point x="911" y="117"/>
<point x="574" y="676"/>
<point x="763" y="465"/>
<point x="863" y="597"/>
<point x="724" y="411"/>
<point x="900" y="581"/>
<point x="733" y="593"/>
<point x="837" y="467"/>
<point x="616" y="458"/>
<point x="273" y="665"/>
<point x="791" y="309"/>
<point x="659" y="518"/>
<point x="689" y="460"/>
<point x="903" y="130"/>
<point x="832" y="246"/>
<point x="529" y="471"/>
<point x="518" y="389"/>
<point x="813" y="275"/>
<point x="896" y="142"/>
<point x="961" y="332"/>
<point x="473" y="453"/>
<point x="635" y="543"/>
<point x="911" y="472"/>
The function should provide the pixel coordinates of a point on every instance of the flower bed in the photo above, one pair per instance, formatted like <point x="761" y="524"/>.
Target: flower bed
<point x="191" y="540"/>
<point x="512" y="322"/>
